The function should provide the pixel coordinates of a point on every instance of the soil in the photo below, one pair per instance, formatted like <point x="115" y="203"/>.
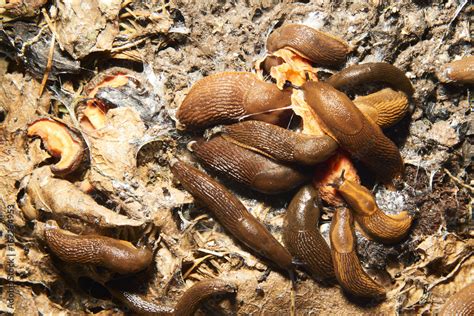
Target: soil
<point x="173" y="44"/>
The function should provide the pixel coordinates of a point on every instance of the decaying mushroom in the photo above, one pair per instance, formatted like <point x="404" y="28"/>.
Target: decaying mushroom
<point x="61" y="142"/>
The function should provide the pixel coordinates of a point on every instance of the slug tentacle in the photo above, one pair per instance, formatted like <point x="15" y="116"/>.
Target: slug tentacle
<point x="247" y="167"/>
<point x="189" y="302"/>
<point x="316" y="46"/>
<point x="370" y="73"/>
<point x="460" y="304"/>
<point x="231" y="213"/>
<point x="361" y="137"/>
<point x="349" y="272"/>
<point x="388" y="229"/>
<point x="117" y="255"/>
<point x="229" y="96"/>
<point x="281" y="144"/>
<point x="385" y="107"/>
<point x="302" y="236"/>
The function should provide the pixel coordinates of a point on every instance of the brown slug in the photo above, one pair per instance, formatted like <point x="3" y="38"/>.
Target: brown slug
<point x="189" y="302"/>
<point x="281" y="144"/>
<point x="61" y="142"/>
<point x="461" y="71"/>
<point x="114" y="254"/>
<point x="385" y="228"/>
<point x="230" y="96"/>
<point x="231" y="214"/>
<point x="385" y="107"/>
<point x="349" y="272"/>
<point x="361" y="137"/>
<point x="460" y="304"/>
<point x="137" y="304"/>
<point x="316" y="46"/>
<point x="371" y="73"/>
<point x="247" y="167"/>
<point x="302" y="237"/>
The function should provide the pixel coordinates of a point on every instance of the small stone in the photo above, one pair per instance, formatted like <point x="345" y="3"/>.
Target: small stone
<point x="443" y="134"/>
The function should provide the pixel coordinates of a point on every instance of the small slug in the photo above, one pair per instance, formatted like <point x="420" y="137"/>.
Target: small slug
<point x="117" y="255"/>
<point x="301" y="235"/>
<point x="137" y="304"/>
<point x="189" y="302"/>
<point x="349" y="272"/>
<point x="231" y="214"/>
<point x="361" y="137"/>
<point x="61" y="142"/>
<point x="316" y="46"/>
<point x="371" y="73"/>
<point x="247" y="167"/>
<point x="388" y="229"/>
<point x="460" y="304"/>
<point x="229" y="96"/>
<point x="458" y="71"/>
<point x="385" y="107"/>
<point x="281" y="144"/>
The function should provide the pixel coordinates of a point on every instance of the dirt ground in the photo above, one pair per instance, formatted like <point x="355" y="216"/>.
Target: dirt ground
<point x="173" y="44"/>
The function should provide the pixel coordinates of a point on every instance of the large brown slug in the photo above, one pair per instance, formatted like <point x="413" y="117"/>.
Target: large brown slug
<point x="316" y="46"/>
<point x="247" y="167"/>
<point x="117" y="255"/>
<point x="371" y="73"/>
<point x="361" y="137"/>
<point x="189" y="302"/>
<point x="281" y="144"/>
<point x="388" y="229"/>
<point x="349" y="272"/>
<point x="460" y="304"/>
<point x="230" y="96"/>
<point x="302" y="236"/>
<point x="231" y="214"/>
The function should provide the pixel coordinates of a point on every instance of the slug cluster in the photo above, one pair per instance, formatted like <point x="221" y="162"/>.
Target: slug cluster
<point x="253" y="149"/>
<point x="250" y="146"/>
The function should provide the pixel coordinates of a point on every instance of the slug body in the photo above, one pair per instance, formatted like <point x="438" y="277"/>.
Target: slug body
<point x="247" y="167"/>
<point x="309" y="43"/>
<point x="370" y="73"/>
<point x="117" y="255"/>
<point x="349" y="272"/>
<point x="302" y="236"/>
<point x="460" y="304"/>
<point x="139" y="305"/>
<point x="281" y="144"/>
<point x="229" y="96"/>
<point x="388" y="229"/>
<point x="385" y="107"/>
<point x="361" y="137"/>
<point x="60" y="142"/>
<point x="458" y="71"/>
<point x="231" y="214"/>
<point x="189" y="302"/>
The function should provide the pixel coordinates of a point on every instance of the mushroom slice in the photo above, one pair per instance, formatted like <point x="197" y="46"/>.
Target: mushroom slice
<point x="61" y="142"/>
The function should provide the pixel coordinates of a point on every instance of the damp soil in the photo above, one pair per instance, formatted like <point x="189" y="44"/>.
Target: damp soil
<point x="173" y="44"/>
